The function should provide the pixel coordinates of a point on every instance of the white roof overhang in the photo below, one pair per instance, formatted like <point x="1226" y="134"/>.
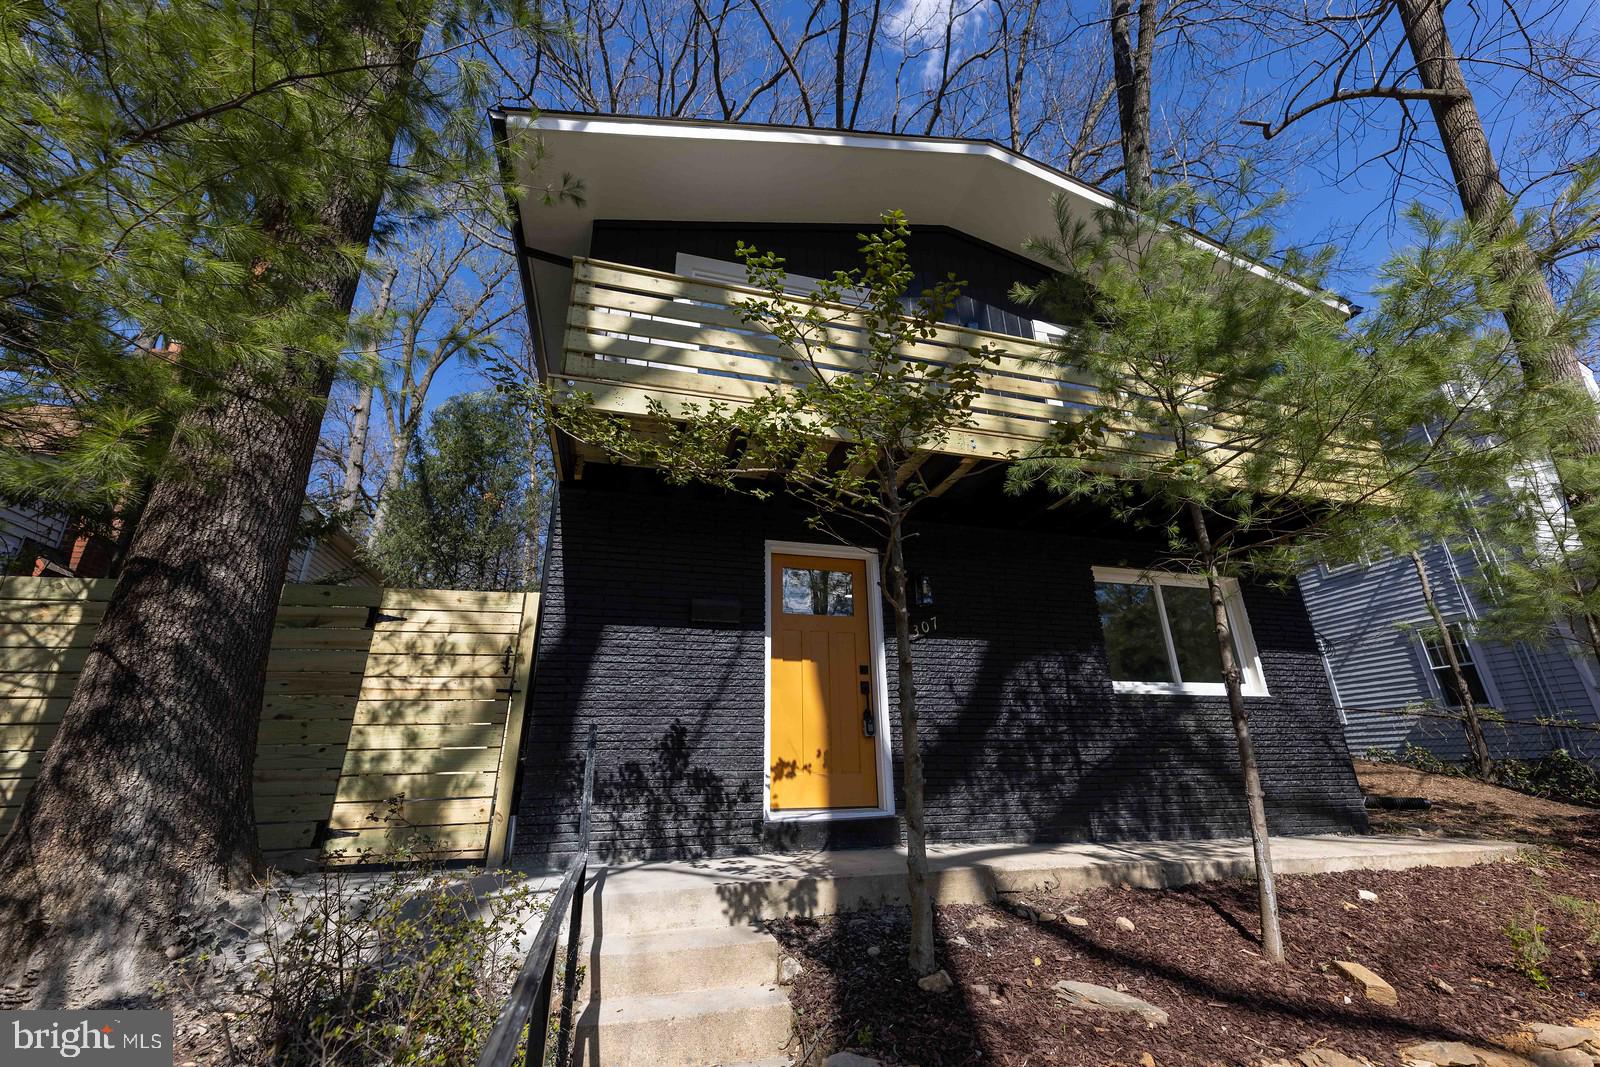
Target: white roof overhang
<point x="697" y="171"/>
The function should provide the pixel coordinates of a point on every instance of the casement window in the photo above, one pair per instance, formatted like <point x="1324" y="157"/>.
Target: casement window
<point x="1439" y="663"/>
<point x="1160" y="637"/>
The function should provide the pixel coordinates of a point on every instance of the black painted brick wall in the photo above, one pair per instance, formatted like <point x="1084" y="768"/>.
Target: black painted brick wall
<point x="1024" y="739"/>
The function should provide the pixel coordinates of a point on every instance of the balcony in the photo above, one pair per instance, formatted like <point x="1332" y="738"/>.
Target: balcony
<point x="635" y="334"/>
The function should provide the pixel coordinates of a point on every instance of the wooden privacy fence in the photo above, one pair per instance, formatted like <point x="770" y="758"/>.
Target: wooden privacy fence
<point x="371" y="694"/>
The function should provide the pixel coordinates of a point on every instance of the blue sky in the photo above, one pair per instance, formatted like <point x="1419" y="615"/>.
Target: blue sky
<point x="1345" y="176"/>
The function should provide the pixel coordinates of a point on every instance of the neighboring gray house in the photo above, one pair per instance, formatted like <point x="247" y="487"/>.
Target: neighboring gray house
<point x="1370" y="621"/>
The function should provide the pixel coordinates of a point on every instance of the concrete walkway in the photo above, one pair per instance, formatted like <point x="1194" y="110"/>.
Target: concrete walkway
<point x="738" y="890"/>
<point x="679" y="974"/>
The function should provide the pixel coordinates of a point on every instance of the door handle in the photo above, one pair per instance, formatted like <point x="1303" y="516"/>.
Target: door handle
<point x="869" y="728"/>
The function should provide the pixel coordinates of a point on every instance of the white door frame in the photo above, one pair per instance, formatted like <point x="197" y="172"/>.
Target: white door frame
<point x="879" y="687"/>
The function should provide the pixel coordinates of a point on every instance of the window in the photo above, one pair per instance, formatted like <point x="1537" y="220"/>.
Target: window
<point x="818" y="592"/>
<point x="1440" y="665"/>
<point x="1160" y="638"/>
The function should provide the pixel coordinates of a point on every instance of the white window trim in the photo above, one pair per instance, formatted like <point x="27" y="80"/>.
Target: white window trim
<point x="1477" y="658"/>
<point x="1255" y="679"/>
<point x="880" y="688"/>
<point x="726" y="271"/>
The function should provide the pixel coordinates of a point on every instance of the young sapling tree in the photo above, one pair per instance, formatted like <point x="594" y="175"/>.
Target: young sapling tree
<point x="1248" y="425"/>
<point x="871" y="383"/>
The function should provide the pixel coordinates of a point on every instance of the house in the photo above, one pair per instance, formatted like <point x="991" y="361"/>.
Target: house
<point x="1390" y="677"/>
<point x="47" y="542"/>
<point x="1062" y="697"/>
<point x="39" y="539"/>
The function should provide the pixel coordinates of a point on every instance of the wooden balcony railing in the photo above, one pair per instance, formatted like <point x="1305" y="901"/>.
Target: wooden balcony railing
<point x="633" y="334"/>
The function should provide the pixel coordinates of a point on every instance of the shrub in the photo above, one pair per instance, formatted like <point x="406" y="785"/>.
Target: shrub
<point x="404" y="966"/>
<point x="1556" y="776"/>
<point x="1527" y="937"/>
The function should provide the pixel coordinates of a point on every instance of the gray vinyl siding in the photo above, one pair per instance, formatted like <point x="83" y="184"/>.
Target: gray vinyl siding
<point x="1365" y="618"/>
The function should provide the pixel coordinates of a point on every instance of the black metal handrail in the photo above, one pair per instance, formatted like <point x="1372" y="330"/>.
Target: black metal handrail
<point x="529" y="1004"/>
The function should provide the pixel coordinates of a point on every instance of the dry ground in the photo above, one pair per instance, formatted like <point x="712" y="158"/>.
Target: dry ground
<point x="1193" y="952"/>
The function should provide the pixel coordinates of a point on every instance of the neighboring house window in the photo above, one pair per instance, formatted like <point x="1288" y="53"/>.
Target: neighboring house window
<point x="1160" y="638"/>
<point x="1360" y="563"/>
<point x="1440" y="664"/>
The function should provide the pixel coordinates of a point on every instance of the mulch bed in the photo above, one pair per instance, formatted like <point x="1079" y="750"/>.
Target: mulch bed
<point x="1193" y="952"/>
<point x="1464" y="806"/>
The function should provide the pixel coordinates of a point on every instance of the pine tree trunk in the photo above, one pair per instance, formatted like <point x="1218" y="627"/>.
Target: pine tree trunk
<point x="1255" y="798"/>
<point x="1458" y="680"/>
<point x="1131" y="62"/>
<point x="1484" y="199"/>
<point x="141" y="817"/>
<point x="922" y="959"/>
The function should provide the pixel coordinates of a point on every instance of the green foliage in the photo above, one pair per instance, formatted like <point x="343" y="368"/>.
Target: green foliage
<point x="468" y="513"/>
<point x="1526" y="935"/>
<point x="1251" y="397"/>
<point x="177" y="171"/>
<point x="399" y="967"/>
<point x="857" y="396"/>
<point x="1556" y="776"/>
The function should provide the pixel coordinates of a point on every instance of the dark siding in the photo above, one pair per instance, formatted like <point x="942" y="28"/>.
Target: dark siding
<point x="819" y="251"/>
<point x="1024" y="738"/>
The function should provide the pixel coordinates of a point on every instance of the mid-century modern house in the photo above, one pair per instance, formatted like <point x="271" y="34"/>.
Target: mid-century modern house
<point x="1391" y="679"/>
<point x="733" y="658"/>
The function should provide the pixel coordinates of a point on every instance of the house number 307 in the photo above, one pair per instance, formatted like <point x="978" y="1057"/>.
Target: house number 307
<point x="924" y="627"/>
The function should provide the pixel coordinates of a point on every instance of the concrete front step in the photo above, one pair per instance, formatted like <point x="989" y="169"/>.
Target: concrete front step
<point x="689" y="1029"/>
<point x="678" y="961"/>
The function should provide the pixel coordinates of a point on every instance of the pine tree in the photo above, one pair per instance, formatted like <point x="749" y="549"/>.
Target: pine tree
<point x="1253" y="430"/>
<point x="210" y="175"/>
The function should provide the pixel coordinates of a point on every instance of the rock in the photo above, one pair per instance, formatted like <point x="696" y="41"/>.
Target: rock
<point x="1367" y="895"/>
<point x="981" y="990"/>
<point x="1496" y="1058"/>
<point x="1146" y="1060"/>
<point x="1442" y="1053"/>
<point x="984" y="921"/>
<point x="1099" y="998"/>
<point x="959" y="940"/>
<point x="1075" y="920"/>
<point x="1561" y="1037"/>
<point x="937" y="982"/>
<point x="1329" y="1057"/>
<point x="1124" y="923"/>
<point x="1376" y="989"/>
<point x="850" y="1059"/>
<point x="1048" y="917"/>
<point x="788" y="970"/>
<point x="873" y="950"/>
<point x="1561" y="1057"/>
<point x="1440" y="984"/>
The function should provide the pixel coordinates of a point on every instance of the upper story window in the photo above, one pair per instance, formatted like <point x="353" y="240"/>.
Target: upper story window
<point x="1439" y="664"/>
<point x="1160" y="637"/>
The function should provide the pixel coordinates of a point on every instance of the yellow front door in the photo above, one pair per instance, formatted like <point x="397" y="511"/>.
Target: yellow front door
<point x="822" y="753"/>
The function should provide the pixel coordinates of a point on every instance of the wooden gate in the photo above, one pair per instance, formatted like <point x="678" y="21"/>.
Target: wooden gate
<point x="391" y="719"/>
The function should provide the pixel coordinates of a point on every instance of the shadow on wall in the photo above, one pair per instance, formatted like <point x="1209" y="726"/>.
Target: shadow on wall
<point x="1025" y="740"/>
<point x="681" y="808"/>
